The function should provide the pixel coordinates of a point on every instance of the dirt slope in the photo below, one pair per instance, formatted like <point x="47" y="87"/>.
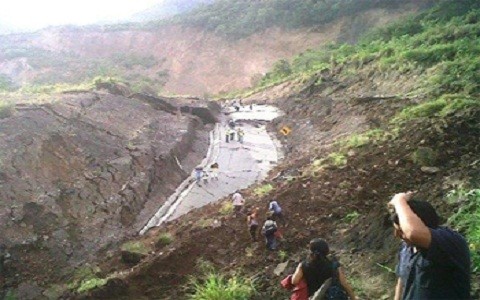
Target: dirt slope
<point x="344" y="203"/>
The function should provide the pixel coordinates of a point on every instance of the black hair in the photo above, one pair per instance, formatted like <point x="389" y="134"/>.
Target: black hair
<point x="318" y="249"/>
<point x="424" y="211"/>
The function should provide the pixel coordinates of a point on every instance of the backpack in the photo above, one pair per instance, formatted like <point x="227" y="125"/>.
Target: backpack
<point x="269" y="228"/>
<point x="336" y="290"/>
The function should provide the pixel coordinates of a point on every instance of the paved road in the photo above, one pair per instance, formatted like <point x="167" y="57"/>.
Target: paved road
<point x="240" y="165"/>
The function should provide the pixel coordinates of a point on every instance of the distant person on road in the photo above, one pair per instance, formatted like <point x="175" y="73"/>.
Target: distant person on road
<point x="268" y="230"/>
<point x="240" y="134"/>
<point x="276" y="211"/>
<point x="251" y="106"/>
<point x="252" y="222"/>
<point x="317" y="268"/>
<point x="227" y="135"/>
<point x="231" y="124"/>
<point x="214" y="171"/>
<point x="232" y="135"/>
<point x="434" y="261"/>
<point x="198" y="175"/>
<point x="238" y="203"/>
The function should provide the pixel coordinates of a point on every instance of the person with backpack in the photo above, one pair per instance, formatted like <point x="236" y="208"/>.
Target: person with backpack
<point x="317" y="269"/>
<point x="268" y="230"/>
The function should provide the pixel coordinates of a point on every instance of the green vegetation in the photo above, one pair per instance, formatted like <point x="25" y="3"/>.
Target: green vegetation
<point x="467" y="220"/>
<point x="238" y="19"/>
<point x="86" y="278"/>
<point x="227" y="208"/>
<point x="337" y="159"/>
<point x="10" y="295"/>
<point x="165" y="239"/>
<point x="282" y="255"/>
<point x="441" y="47"/>
<point x="351" y="217"/>
<point x="136" y="247"/>
<point x="91" y="284"/>
<point x="216" y="286"/>
<point x="263" y="190"/>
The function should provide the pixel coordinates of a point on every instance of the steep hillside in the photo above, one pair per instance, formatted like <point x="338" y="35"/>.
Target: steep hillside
<point x="187" y="58"/>
<point x="364" y="126"/>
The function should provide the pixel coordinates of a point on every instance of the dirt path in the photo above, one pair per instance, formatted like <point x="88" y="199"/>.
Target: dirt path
<point x="240" y="165"/>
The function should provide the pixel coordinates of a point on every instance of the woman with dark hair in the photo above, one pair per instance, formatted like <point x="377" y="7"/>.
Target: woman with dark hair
<point x="317" y="268"/>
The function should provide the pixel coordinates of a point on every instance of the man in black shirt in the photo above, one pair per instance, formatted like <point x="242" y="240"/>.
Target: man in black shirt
<point x="434" y="262"/>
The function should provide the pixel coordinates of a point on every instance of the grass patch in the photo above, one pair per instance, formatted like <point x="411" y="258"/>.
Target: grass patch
<point x="216" y="286"/>
<point x="136" y="247"/>
<point x="164" y="239"/>
<point x="91" y="284"/>
<point x="263" y="190"/>
<point x="227" y="208"/>
<point x="351" y="217"/>
<point x="467" y="220"/>
<point x="441" y="107"/>
<point x="337" y="159"/>
<point x="282" y="255"/>
<point x="86" y="278"/>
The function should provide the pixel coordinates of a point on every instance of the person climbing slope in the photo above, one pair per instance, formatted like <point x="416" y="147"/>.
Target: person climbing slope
<point x="252" y="223"/>
<point x="268" y="230"/>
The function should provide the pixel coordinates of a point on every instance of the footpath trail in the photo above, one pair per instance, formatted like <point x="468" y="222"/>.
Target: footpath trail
<point x="240" y="165"/>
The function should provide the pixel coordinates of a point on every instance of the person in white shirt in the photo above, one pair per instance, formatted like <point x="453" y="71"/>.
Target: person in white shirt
<point x="238" y="202"/>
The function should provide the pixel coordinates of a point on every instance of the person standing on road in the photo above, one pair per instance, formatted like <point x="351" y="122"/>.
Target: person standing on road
<point x="238" y="203"/>
<point x="276" y="211"/>
<point x="434" y="261"/>
<point x="227" y="134"/>
<point x="198" y="175"/>
<point x="240" y="134"/>
<point x="214" y="171"/>
<point x="252" y="222"/>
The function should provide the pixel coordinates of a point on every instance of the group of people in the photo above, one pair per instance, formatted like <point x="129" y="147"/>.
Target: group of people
<point x="269" y="229"/>
<point x="230" y="133"/>
<point x="204" y="175"/>
<point x="434" y="261"/>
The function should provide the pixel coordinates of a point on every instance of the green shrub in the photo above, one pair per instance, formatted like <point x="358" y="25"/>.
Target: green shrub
<point x="467" y="220"/>
<point x="136" y="247"/>
<point x="227" y="208"/>
<point x="165" y="239"/>
<point x="216" y="286"/>
<point x="337" y="159"/>
<point x="263" y="190"/>
<point x="351" y="217"/>
<point x="91" y="284"/>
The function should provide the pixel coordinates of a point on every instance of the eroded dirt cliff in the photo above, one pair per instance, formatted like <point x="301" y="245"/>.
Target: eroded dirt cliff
<point x="80" y="172"/>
